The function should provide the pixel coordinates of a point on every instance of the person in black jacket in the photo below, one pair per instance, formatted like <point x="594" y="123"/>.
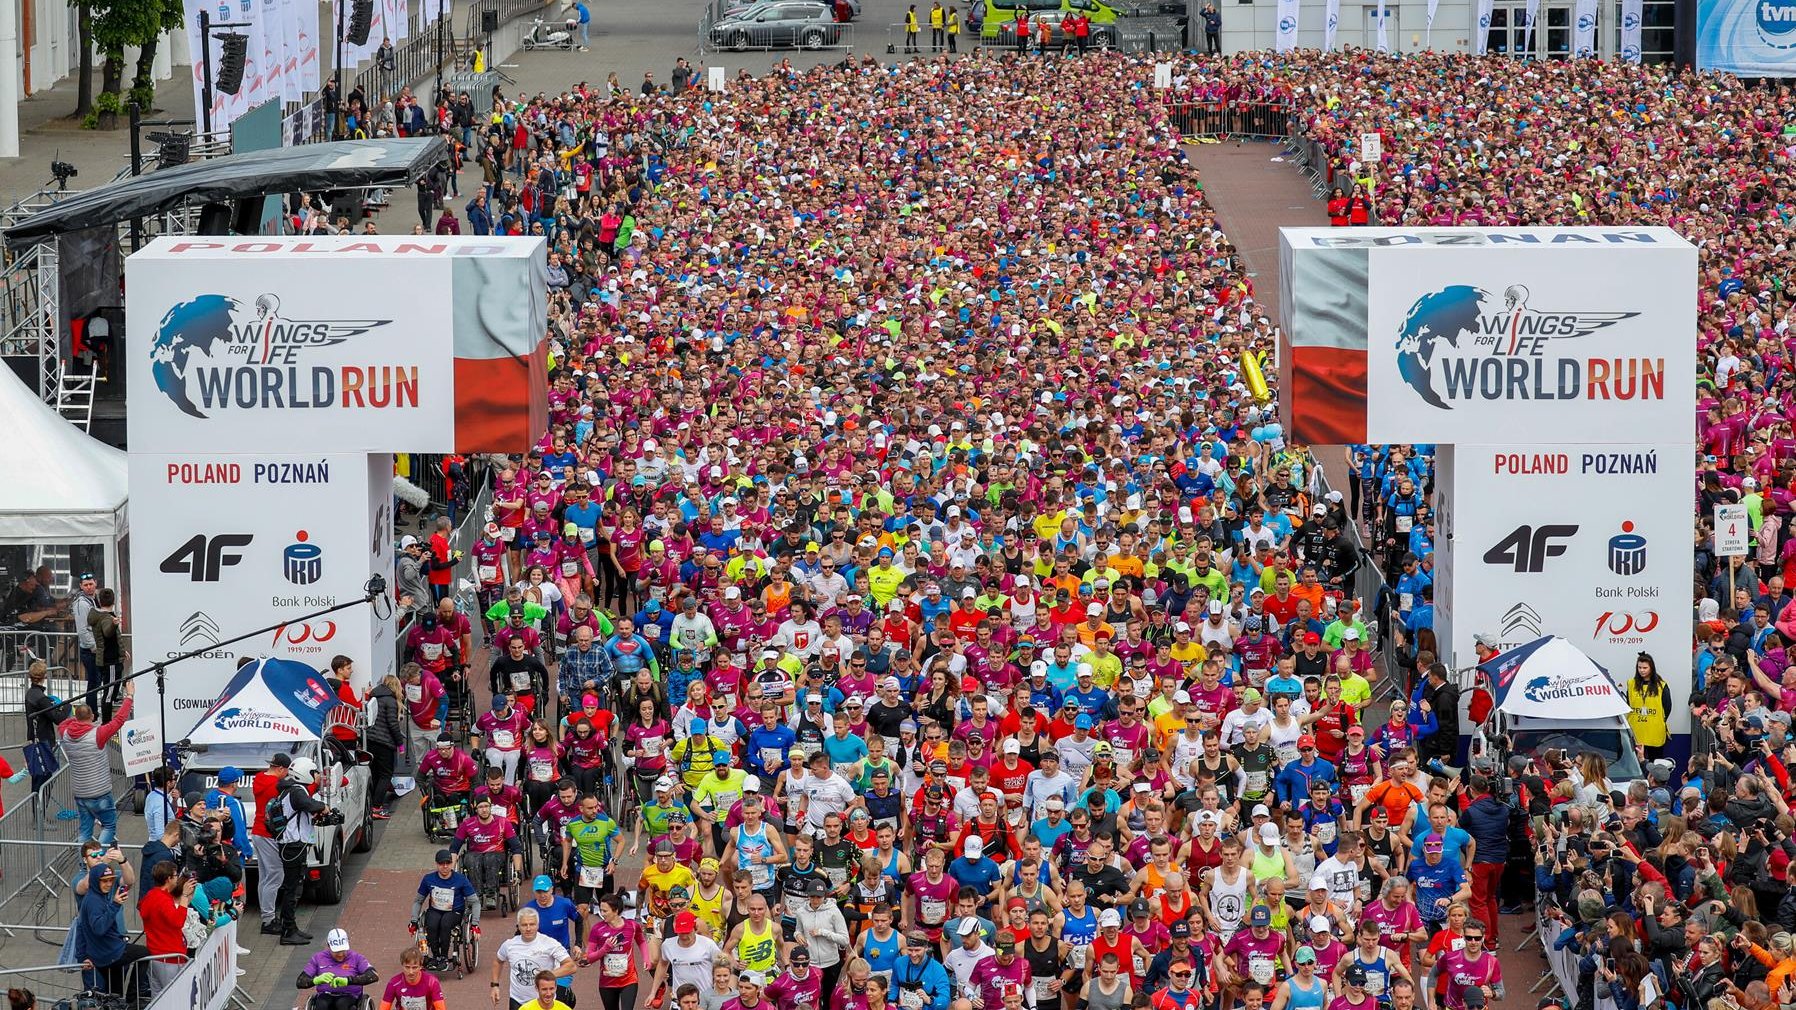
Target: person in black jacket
<point x="296" y="810"/>
<point x="42" y="713"/>
<point x="385" y="735"/>
<point x="1443" y="698"/>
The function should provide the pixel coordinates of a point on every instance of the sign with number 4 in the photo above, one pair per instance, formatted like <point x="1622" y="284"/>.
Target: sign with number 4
<point x="1731" y="528"/>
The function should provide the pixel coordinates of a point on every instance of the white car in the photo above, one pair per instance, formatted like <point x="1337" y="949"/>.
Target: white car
<point x="342" y="785"/>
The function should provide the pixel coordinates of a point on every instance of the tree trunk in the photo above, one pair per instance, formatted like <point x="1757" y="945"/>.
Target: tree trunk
<point x="143" y="85"/>
<point x="112" y="79"/>
<point x="84" y="69"/>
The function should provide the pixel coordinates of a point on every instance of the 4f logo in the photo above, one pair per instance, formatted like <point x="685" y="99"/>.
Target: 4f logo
<point x="203" y="557"/>
<point x="1527" y="548"/>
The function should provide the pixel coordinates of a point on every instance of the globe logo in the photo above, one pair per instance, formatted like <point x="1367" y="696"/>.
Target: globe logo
<point x="1631" y="53"/>
<point x="1333" y="21"/>
<point x="1286" y="25"/>
<point x="1587" y="22"/>
<point x="1630" y="22"/>
<point x="1777" y="22"/>
<point x="1484" y="21"/>
<point x="197" y="325"/>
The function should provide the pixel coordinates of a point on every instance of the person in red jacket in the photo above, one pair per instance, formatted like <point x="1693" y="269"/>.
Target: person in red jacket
<point x="268" y="854"/>
<point x="163" y="909"/>
<point x="1359" y="208"/>
<point x="1337" y="208"/>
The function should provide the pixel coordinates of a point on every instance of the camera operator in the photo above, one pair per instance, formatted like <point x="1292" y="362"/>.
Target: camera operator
<point x="212" y="859"/>
<point x="292" y="815"/>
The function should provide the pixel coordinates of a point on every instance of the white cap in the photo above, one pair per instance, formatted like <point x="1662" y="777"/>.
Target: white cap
<point x="954" y="510"/>
<point x="974" y="846"/>
<point x="1259" y="810"/>
<point x="1208" y="817"/>
<point x="407" y="541"/>
<point x="1143" y="787"/>
<point x="1181" y="626"/>
<point x="753" y="978"/>
<point x="1350" y="635"/>
<point x="1215" y="607"/>
<point x="1318" y="883"/>
<point x="968" y="925"/>
<point x="1319" y="923"/>
<point x="732" y="592"/>
<point x="967" y="593"/>
<point x="337" y="940"/>
<point x="1094" y="610"/>
<point x="752" y="784"/>
<point x="1182" y="697"/>
<point x="1039" y="668"/>
<point x="1012" y="747"/>
<point x="1268" y="832"/>
<point x="1109" y="917"/>
<point x="664" y="782"/>
<point x="1083" y="670"/>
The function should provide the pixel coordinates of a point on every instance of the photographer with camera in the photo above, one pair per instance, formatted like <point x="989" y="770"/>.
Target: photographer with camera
<point x="292" y="815"/>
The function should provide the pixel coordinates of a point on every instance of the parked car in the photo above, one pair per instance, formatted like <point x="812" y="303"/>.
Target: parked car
<point x="736" y="10"/>
<point x="783" y="24"/>
<point x="1102" y="36"/>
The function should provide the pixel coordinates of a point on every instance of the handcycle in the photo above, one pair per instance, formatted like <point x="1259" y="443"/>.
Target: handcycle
<point x="442" y="814"/>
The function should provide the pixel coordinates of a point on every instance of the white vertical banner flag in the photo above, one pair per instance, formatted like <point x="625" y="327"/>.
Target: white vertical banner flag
<point x="1330" y="24"/>
<point x="255" y="67"/>
<point x="1384" y="37"/>
<point x="287" y="17"/>
<point x="1533" y="15"/>
<point x="1428" y="26"/>
<point x="1630" y="30"/>
<point x="274" y="49"/>
<point x="308" y="31"/>
<point x="1286" y="39"/>
<point x="1481" y="34"/>
<point x="1584" y="30"/>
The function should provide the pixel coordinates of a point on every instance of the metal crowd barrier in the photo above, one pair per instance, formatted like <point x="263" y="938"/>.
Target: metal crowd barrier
<point x="1240" y="120"/>
<point x="837" y="36"/>
<point x="1312" y="159"/>
<point x="50" y="983"/>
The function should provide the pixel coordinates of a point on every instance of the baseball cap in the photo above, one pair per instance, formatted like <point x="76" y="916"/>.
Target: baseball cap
<point x="1180" y="928"/>
<point x="1311" y="638"/>
<point x="968" y="926"/>
<point x="974" y="846"/>
<point x="1252" y="694"/>
<point x="1109" y="917"/>
<point x="1011" y="746"/>
<point x="1216" y="608"/>
<point x="1354" y="975"/>
<point x="445" y="856"/>
<point x="1208" y="817"/>
<point x="1269" y="832"/>
<point x="752" y="784"/>
<point x="685" y="923"/>
<point x="542" y="883"/>
<point x="1182" y="697"/>
<point x="1138" y="908"/>
<point x="1260" y="810"/>
<point x="1262" y="916"/>
<point x="1318" y="883"/>
<point x="337" y="940"/>
<point x="1318" y="923"/>
<point x="1082" y="722"/>
<point x="753" y="978"/>
<point x="1305" y="955"/>
<point x="1306" y="740"/>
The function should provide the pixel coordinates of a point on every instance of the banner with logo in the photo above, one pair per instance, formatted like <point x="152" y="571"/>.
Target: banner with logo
<point x="209" y="979"/>
<point x="1532" y="13"/>
<point x="1428" y="27"/>
<point x="225" y="545"/>
<point x="1384" y="18"/>
<point x="278" y="344"/>
<point x="1395" y="335"/>
<point x="1331" y="24"/>
<point x="1631" y="13"/>
<point x="1583" y="542"/>
<point x="1286" y="39"/>
<point x="1481" y="35"/>
<point x="1551" y="678"/>
<point x="268" y="700"/>
<point x="274" y="49"/>
<point x="1584" y="29"/>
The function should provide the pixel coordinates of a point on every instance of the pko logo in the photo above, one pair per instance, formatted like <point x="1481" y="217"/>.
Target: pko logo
<point x="1777" y="22"/>
<point x="1287" y="24"/>
<point x="1627" y="551"/>
<point x="302" y="562"/>
<point x="215" y="353"/>
<point x="1457" y="343"/>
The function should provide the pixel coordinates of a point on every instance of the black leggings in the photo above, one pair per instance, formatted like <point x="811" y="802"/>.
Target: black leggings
<point x="620" y="998"/>
<point x="335" y="1001"/>
<point x="439" y="931"/>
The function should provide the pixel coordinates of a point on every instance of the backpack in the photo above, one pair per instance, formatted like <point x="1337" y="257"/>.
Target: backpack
<point x="276" y="814"/>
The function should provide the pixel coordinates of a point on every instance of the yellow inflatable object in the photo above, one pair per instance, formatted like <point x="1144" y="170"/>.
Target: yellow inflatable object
<point x="1255" y="378"/>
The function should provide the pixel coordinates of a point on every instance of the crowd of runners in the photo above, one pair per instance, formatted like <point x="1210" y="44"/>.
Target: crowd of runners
<point x="917" y="576"/>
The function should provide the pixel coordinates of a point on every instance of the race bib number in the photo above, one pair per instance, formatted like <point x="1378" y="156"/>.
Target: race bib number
<point x="541" y="770"/>
<point x="651" y="746"/>
<point x="1375" y="983"/>
<point x="592" y="876"/>
<point x="1325" y="832"/>
<point x="1405" y="523"/>
<point x="411" y="1003"/>
<point x="501" y="811"/>
<point x="414" y="692"/>
<point x="1140" y="966"/>
<point x="520" y="680"/>
<point x="504" y="739"/>
<point x="910" y="999"/>
<point x="837" y="875"/>
<point x="1259" y="967"/>
<point x="933" y="910"/>
<point x="651" y="631"/>
<point x="1406" y="601"/>
<point x="1358" y="792"/>
<point x="431" y="651"/>
<point x="489" y="573"/>
<point x="1287" y="753"/>
<point x="769" y="755"/>
<point x="617" y="964"/>
<point x="1044" y="989"/>
<point x="1078" y="955"/>
<point x="442" y="898"/>
<point x="508" y="533"/>
<point x="1256" y="783"/>
<point x="1123" y="755"/>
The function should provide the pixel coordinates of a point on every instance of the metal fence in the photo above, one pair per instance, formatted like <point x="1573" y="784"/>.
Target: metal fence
<point x="832" y="37"/>
<point x="1313" y="160"/>
<point x="1241" y="120"/>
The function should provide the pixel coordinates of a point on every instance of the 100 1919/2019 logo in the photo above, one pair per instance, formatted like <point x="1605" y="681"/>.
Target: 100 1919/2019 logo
<point x="214" y="353"/>
<point x="1461" y="343"/>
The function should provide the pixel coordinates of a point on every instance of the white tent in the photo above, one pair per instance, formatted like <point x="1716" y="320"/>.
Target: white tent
<point x="63" y="486"/>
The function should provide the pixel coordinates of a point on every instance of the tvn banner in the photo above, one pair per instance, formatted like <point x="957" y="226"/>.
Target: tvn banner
<point x="1588" y="542"/>
<point x="1530" y="335"/>
<point x="1751" y="38"/>
<point x="223" y="545"/>
<point x="281" y="344"/>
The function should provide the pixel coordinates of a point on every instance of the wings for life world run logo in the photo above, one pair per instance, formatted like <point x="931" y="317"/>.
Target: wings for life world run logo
<point x="1589" y="684"/>
<point x="1461" y="344"/>
<point x="217" y="353"/>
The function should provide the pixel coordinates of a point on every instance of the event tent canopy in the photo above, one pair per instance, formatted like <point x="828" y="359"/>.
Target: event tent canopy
<point x="65" y="486"/>
<point x="268" y="700"/>
<point x="1552" y="679"/>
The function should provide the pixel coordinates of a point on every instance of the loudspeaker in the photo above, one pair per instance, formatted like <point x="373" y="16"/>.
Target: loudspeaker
<point x="231" y="51"/>
<point x="489" y="21"/>
<point x="361" y="21"/>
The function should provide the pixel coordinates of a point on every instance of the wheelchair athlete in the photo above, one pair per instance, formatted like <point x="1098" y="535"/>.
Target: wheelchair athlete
<point x="445" y="898"/>
<point x="338" y="974"/>
<point x="492" y="843"/>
